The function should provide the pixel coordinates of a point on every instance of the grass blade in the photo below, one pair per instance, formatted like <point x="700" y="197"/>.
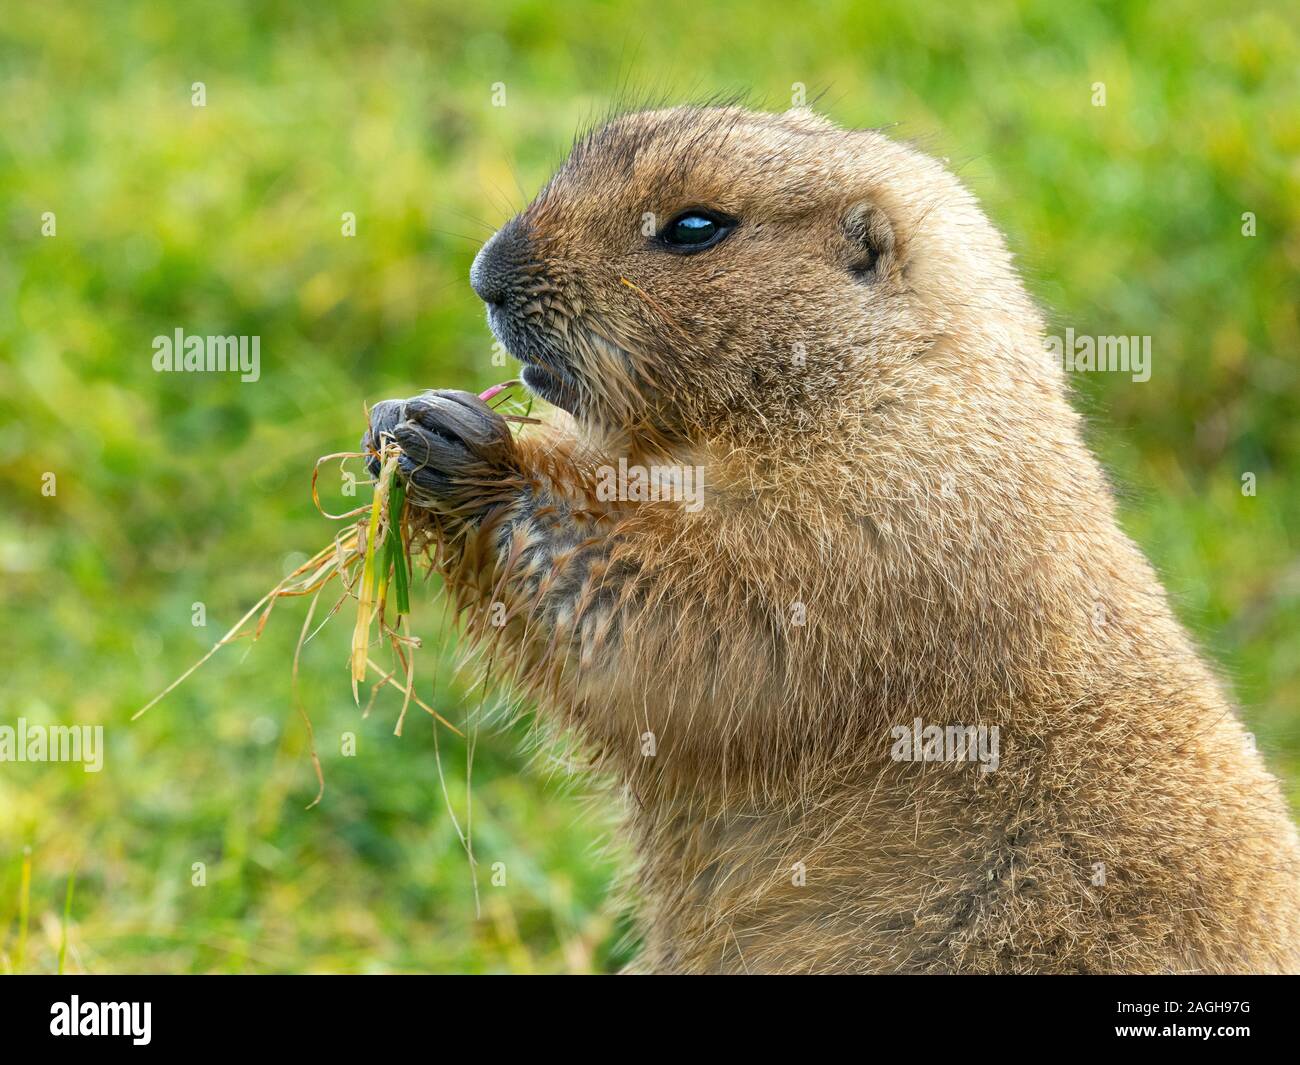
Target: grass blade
<point x="396" y="544"/>
<point x="67" y="916"/>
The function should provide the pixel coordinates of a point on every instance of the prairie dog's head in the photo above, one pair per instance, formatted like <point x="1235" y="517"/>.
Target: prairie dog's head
<point x="691" y="268"/>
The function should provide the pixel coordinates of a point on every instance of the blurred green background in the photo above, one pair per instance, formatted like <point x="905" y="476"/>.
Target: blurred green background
<point x="226" y="219"/>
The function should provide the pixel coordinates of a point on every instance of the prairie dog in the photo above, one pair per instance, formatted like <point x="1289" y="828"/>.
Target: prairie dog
<point x="901" y="535"/>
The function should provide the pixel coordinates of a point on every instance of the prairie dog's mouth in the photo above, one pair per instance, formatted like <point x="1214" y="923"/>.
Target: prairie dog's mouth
<point x="545" y="372"/>
<point x="554" y="386"/>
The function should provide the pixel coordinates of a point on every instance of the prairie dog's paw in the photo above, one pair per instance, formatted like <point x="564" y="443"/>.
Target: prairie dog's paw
<point x="450" y="440"/>
<point x="384" y="417"/>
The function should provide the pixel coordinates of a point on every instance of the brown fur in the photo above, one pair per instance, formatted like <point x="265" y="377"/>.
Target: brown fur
<point x="918" y="482"/>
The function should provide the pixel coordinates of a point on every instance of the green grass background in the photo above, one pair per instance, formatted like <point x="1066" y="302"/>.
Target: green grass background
<point x="226" y="219"/>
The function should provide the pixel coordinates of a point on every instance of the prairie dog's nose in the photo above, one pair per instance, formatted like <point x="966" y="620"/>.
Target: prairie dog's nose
<point x="497" y="262"/>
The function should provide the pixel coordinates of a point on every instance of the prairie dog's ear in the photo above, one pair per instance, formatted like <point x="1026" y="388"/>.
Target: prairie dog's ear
<point x="872" y="250"/>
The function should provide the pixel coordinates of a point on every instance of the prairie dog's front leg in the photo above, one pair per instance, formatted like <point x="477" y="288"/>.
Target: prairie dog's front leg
<point x="526" y="550"/>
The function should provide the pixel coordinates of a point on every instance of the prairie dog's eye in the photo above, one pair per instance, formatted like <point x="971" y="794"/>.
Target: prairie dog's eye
<point x="694" y="230"/>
